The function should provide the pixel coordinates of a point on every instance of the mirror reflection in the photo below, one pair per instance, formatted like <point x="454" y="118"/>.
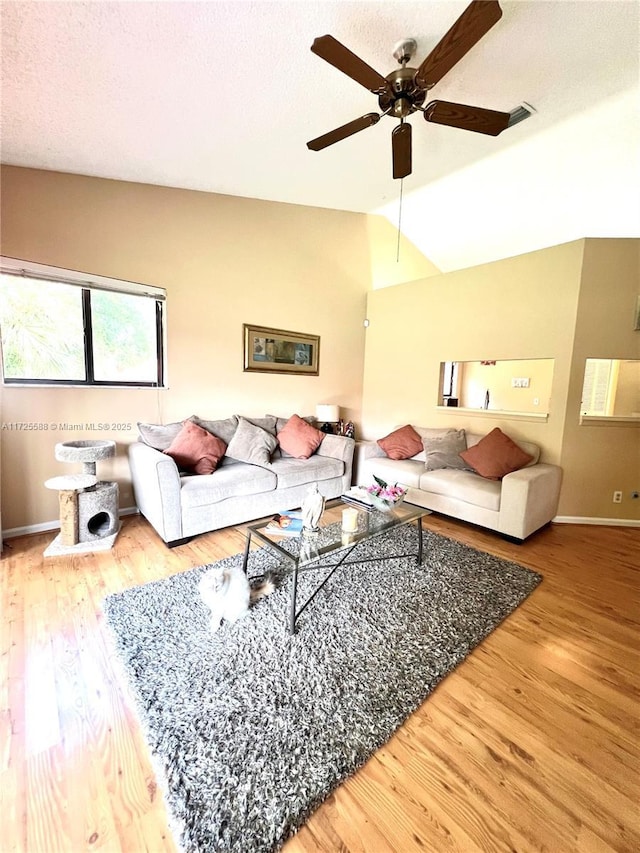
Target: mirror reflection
<point x="611" y="388"/>
<point x="514" y="385"/>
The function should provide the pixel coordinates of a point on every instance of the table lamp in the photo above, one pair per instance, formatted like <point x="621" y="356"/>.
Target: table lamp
<point x="328" y="416"/>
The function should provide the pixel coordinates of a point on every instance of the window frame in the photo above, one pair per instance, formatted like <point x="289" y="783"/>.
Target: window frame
<point x="450" y="378"/>
<point x="88" y="283"/>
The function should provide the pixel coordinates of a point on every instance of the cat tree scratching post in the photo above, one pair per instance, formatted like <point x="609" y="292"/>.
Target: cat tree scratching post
<point x="88" y="506"/>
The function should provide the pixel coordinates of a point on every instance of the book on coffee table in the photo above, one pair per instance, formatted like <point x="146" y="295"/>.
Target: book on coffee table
<point x="358" y="497"/>
<point x="287" y="523"/>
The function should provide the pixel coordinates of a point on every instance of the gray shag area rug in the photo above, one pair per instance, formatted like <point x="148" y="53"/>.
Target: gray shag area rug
<point x="250" y="728"/>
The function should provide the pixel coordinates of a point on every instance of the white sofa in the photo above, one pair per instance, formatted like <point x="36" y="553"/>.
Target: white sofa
<point x="180" y="506"/>
<point x="516" y="506"/>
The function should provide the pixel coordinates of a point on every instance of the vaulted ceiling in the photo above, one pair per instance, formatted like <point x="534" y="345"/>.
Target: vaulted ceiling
<point x="223" y="96"/>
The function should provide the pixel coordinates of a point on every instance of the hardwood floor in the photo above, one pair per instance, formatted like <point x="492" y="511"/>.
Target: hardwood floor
<point x="532" y="744"/>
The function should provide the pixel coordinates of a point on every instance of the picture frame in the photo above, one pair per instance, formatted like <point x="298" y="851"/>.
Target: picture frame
<point x="268" y="350"/>
<point x="636" y="325"/>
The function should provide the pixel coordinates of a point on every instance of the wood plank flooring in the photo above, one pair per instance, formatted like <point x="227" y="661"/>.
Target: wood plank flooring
<point x="532" y="744"/>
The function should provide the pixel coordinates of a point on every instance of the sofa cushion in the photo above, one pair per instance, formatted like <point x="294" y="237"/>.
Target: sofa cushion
<point x="298" y="438"/>
<point x="297" y="472"/>
<point x="231" y="480"/>
<point x="402" y="443"/>
<point x="268" y="422"/>
<point x="443" y="451"/>
<point x="405" y="472"/>
<point x="160" y="436"/>
<point x="496" y="455"/>
<point x="429" y="432"/>
<point x="281" y="422"/>
<point x="463" y="486"/>
<point x="195" y="449"/>
<point x="527" y="446"/>
<point x="224" y="428"/>
<point x="251" y="444"/>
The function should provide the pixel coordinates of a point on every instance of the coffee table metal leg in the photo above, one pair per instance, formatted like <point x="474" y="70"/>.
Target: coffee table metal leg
<point x="294" y="590"/>
<point x="245" y="558"/>
<point x="419" y="560"/>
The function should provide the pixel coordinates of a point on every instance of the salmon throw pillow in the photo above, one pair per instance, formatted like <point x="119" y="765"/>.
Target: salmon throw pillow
<point x="402" y="443"/>
<point x="495" y="456"/>
<point x="195" y="449"/>
<point x="298" y="438"/>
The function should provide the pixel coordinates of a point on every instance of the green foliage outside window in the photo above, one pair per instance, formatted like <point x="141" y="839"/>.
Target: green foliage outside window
<point x="43" y="334"/>
<point x="124" y="337"/>
<point x="41" y="337"/>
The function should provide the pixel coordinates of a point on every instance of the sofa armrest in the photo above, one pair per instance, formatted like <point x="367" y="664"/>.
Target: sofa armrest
<point x="365" y="450"/>
<point x="529" y="499"/>
<point x="156" y="486"/>
<point x="339" y="447"/>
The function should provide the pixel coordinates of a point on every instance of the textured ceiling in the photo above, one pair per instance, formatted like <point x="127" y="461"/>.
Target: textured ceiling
<point x="223" y="96"/>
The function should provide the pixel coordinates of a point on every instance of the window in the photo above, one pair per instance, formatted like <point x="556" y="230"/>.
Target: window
<point x="598" y="387"/>
<point x="59" y="328"/>
<point x="611" y="388"/>
<point x="449" y="372"/>
<point x="517" y="386"/>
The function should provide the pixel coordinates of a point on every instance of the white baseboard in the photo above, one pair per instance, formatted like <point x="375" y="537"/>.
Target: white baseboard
<point x="46" y="526"/>
<point x="604" y="522"/>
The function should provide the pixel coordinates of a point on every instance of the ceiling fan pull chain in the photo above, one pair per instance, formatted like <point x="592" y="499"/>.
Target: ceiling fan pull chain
<point x="399" y="221"/>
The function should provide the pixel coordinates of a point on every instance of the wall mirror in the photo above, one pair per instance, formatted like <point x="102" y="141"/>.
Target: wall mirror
<point x="520" y="386"/>
<point x="611" y="388"/>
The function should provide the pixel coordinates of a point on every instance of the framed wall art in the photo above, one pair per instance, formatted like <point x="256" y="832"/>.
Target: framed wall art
<point x="269" y="350"/>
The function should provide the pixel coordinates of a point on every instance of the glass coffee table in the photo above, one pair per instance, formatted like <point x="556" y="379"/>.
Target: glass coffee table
<point x="310" y="548"/>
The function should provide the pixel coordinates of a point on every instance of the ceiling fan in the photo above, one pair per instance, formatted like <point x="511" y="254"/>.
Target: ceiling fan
<point x="404" y="91"/>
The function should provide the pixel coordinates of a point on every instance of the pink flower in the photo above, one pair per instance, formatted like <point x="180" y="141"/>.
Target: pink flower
<point x="385" y="492"/>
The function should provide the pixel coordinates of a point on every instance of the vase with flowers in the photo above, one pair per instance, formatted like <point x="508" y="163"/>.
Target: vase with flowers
<point x="385" y="497"/>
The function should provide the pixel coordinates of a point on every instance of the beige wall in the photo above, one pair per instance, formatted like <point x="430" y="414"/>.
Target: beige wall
<point x="627" y="391"/>
<point x="226" y="260"/>
<point x="530" y="306"/>
<point x="477" y="378"/>
<point x="603" y="459"/>
<point x="393" y="263"/>
<point x="223" y="261"/>
<point x="522" y="307"/>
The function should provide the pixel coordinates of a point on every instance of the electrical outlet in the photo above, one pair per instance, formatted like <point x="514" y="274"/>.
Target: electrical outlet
<point x="617" y="497"/>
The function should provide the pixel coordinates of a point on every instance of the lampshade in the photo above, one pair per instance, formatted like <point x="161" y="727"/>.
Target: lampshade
<point x="328" y="413"/>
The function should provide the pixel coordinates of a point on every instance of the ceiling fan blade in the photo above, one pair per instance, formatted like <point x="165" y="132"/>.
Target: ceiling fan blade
<point x="336" y="54"/>
<point x="465" y="117"/>
<point x="401" y="145"/>
<point x="476" y="20"/>
<point x="339" y="133"/>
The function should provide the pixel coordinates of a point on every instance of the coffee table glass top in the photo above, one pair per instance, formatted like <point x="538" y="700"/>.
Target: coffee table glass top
<point x="331" y="536"/>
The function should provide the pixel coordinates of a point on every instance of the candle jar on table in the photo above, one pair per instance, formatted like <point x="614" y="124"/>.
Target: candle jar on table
<point x="350" y="520"/>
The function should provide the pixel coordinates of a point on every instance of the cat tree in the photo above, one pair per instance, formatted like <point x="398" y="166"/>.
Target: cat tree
<point x="88" y="506"/>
